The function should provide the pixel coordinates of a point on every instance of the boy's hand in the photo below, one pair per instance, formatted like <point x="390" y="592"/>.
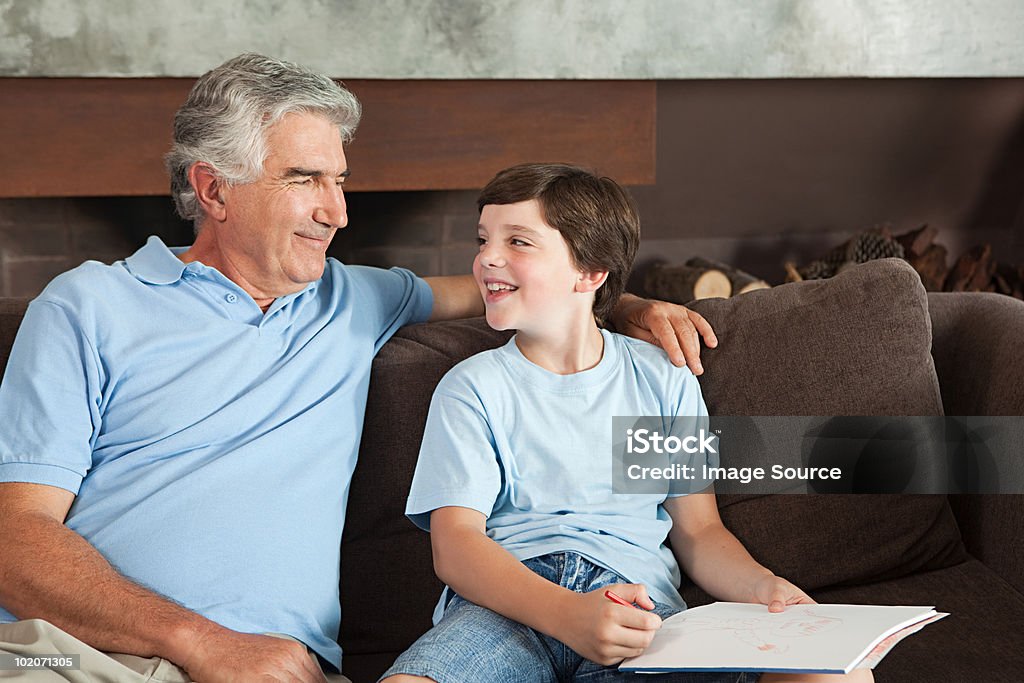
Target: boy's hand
<point x="674" y="328"/>
<point x="779" y="594"/>
<point x="606" y="632"/>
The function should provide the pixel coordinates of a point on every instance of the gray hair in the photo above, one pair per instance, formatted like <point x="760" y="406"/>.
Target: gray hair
<point x="225" y="119"/>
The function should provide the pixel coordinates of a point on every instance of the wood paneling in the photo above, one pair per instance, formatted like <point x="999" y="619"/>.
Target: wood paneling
<point x="106" y="137"/>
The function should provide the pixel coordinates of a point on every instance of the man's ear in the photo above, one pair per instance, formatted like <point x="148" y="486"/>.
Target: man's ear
<point x="591" y="281"/>
<point x="208" y="187"/>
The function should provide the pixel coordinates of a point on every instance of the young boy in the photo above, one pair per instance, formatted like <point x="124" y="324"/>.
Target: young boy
<point x="514" y="476"/>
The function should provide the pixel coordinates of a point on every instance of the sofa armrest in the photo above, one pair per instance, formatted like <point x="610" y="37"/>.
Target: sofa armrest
<point x="976" y="349"/>
<point x="990" y="525"/>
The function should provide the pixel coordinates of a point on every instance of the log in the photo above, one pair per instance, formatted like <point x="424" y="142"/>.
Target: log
<point x="931" y="266"/>
<point x="917" y="242"/>
<point x="753" y="285"/>
<point x="683" y="284"/>
<point x="1002" y="281"/>
<point x="973" y="270"/>
<point x="1009" y="280"/>
<point x="741" y="281"/>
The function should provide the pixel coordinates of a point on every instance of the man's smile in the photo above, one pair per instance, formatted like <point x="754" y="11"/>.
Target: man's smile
<point x="315" y="240"/>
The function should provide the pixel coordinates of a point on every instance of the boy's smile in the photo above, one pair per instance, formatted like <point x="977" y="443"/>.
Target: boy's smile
<point x="496" y="290"/>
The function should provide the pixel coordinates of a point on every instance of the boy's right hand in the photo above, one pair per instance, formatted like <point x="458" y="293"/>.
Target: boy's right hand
<point x="606" y="632"/>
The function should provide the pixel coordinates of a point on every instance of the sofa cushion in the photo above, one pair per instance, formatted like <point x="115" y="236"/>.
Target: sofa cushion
<point x="981" y="640"/>
<point x="840" y="539"/>
<point x="856" y="344"/>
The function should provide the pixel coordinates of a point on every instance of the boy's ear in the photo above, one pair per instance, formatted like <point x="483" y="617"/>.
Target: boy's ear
<point x="591" y="281"/>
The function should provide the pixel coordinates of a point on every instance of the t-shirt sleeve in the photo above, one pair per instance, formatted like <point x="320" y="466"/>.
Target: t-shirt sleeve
<point x="393" y="298"/>
<point x="458" y="463"/>
<point x="690" y="418"/>
<point x="690" y="399"/>
<point x="49" y="401"/>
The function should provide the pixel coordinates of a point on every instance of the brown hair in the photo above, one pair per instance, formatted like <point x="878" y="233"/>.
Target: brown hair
<point x="597" y="219"/>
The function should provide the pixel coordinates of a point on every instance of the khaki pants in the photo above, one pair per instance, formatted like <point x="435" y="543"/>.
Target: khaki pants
<point x="35" y="637"/>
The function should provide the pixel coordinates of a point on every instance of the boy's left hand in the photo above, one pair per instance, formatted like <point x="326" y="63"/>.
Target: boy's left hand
<point x="778" y="594"/>
<point x="674" y="328"/>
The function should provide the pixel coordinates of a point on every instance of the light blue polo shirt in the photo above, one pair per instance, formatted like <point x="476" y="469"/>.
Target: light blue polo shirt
<point x="532" y="451"/>
<point x="210" y="445"/>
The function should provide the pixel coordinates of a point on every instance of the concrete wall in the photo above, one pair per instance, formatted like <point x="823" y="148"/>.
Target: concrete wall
<point x="638" y="39"/>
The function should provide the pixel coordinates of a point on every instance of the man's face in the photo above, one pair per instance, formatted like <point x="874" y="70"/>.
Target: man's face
<point x="277" y="228"/>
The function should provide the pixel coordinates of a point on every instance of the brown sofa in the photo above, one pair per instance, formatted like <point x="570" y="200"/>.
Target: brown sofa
<point x="868" y="342"/>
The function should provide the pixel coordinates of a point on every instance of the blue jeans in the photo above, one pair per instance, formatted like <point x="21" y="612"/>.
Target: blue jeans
<point x="472" y="644"/>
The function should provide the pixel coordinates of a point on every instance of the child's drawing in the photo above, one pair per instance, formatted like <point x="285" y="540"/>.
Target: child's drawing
<point x="768" y="633"/>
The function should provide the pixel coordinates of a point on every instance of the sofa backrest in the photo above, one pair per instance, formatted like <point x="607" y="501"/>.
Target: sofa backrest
<point x="976" y="347"/>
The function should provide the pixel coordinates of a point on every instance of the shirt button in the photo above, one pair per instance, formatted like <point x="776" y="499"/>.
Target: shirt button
<point x="231" y="297"/>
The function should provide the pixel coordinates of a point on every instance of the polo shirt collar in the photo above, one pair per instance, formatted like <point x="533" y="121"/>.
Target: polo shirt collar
<point x="155" y="264"/>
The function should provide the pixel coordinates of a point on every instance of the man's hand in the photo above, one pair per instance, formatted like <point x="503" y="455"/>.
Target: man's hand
<point x="606" y="632"/>
<point x="674" y="328"/>
<point x="779" y="594"/>
<point x="220" y="655"/>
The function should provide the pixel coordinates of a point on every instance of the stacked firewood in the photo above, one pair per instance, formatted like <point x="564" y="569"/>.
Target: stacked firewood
<point x="699" y="278"/>
<point x="866" y="246"/>
<point x="974" y="271"/>
<point x="928" y="258"/>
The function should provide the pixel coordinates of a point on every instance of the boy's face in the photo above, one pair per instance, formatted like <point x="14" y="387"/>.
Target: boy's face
<point x="524" y="270"/>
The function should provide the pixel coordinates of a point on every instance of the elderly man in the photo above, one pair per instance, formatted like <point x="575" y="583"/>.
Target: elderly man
<point x="172" y="488"/>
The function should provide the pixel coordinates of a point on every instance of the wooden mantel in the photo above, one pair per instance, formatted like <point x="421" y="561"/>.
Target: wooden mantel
<point x="66" y="137"/>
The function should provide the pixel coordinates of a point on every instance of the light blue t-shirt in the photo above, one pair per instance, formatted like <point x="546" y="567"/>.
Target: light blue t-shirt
<point x="532" y="450"/>
<point x="210" y="445"/>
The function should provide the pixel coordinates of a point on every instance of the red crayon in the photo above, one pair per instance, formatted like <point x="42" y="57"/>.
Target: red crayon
<point x="616" y="599"/>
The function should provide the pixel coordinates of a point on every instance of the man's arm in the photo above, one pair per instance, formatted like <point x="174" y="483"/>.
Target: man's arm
<point x="49" y="572"/>
<point x="673" y="328"/>
<point x="455" y="296"/>
<point x="716" y="560"/>
<point x="486" y="574"/>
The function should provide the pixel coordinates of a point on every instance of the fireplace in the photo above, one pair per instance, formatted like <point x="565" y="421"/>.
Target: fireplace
<point x="751" y="172"/>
